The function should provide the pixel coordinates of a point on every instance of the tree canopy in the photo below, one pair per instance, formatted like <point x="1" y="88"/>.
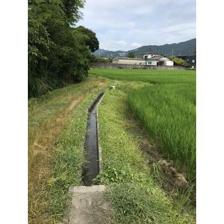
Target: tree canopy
<point x="58" y="53"/>
<point x="131" y="54"/>
<point x="90" y="38"/>
<point x="179" y="61"/>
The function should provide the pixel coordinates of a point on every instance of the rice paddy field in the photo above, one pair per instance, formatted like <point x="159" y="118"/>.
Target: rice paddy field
<point x="166" y="109"/>
<point x="147" y="75"/>
<point x="168" y="113"/>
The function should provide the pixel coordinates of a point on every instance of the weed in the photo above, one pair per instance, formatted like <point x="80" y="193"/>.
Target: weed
<point x="136" y="204"/>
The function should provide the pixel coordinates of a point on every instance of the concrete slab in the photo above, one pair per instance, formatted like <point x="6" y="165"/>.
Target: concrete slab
<point x="89" y="205"/>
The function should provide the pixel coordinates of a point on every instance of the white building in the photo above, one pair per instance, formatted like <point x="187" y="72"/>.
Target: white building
<point x="147" y="56"/>
<point x="166" y="62"/>
<point x="154" y="59"/>
<point x="129" y="61"/>
<point x="151" y="63"/>
<point x="148" y="60"/>
<point x="150" y="56"/>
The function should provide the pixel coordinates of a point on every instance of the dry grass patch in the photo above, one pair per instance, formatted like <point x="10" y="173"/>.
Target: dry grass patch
<point x="40" y="160"/>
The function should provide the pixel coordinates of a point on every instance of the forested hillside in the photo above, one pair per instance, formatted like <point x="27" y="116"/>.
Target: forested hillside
<point x="186" y="48"/>
<point x="58" y="51"/>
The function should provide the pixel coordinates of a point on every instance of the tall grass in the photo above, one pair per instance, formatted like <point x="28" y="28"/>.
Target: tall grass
<point x="168" y="113"/>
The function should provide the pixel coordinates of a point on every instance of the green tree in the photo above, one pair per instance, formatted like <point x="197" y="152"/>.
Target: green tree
<point x="179" y="61"/>
<point x="131" y="54"/>
<point x="71" y="10"/>
<point x="58" y="53"/>
<point x="90" y="38"/>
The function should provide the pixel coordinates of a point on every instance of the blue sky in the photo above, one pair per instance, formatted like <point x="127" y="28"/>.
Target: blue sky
<point x="128" y="24"/>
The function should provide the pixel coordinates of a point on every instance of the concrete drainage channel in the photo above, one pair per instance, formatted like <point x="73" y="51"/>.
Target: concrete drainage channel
<point x="93" y="154"/>
<point x="88" y="204"/>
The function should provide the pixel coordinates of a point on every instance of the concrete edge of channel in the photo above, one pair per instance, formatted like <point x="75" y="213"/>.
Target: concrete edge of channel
<point x="87" y="189"/>
<point x="98" y="139"/>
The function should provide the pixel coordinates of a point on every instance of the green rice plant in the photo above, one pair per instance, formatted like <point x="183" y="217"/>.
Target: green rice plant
<point x="168" y="113"/>
<point x="147" y="75"/>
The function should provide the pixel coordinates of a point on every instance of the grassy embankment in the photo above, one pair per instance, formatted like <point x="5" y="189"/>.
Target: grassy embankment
<point x="134" y="195"/>
<point x="57" y="128"/>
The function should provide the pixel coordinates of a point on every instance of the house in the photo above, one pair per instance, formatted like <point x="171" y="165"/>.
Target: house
<point x="148" y="56"/>
<point x="158" y="60"/>
<point x="128" y="61"/>
<point x="152" y="60"/>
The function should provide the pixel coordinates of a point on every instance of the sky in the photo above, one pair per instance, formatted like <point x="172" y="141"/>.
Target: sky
<point x="129" y="24"/>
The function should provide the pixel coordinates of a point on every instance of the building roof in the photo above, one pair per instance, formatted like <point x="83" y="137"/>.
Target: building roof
<point x="156" y="57"/>
<point x="126" y="58"/>
<point x="164" y="59"/>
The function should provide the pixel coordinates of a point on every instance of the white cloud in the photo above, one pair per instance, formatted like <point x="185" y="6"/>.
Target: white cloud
<point x="127" y="24"/>
<point x="135" y="45"/>
<point x="122" y="42"/>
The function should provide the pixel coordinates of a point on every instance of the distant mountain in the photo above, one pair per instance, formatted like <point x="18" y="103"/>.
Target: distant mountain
<point x="186" y="48"/>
